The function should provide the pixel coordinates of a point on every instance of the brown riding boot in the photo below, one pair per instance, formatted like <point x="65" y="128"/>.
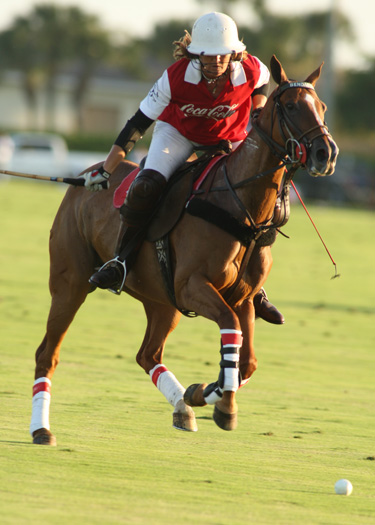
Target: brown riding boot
<point x="266" y="310"/>
<point x="141" y="201"/>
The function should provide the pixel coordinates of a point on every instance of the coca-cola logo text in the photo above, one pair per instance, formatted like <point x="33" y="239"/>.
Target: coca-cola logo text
<point x="216" y="113"/>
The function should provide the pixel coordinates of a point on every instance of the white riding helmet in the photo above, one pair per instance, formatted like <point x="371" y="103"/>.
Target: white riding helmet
<point x="215" y="34"/>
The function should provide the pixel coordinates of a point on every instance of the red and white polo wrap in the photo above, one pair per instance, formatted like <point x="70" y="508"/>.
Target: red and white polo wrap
<point x="40" y="404"/>
<point x="167" y="383"/>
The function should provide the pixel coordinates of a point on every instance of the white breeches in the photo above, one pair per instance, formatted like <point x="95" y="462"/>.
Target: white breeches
<point x="169" y="149"/>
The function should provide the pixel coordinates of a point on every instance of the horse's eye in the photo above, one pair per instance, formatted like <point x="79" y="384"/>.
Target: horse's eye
<point x="289" y="106"/>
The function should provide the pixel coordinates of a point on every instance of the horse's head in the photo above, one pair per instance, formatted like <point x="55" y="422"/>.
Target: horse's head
<point x="301" y="134"/>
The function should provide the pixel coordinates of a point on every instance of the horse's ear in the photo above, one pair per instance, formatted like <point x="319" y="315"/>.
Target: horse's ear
<point x="277" y="71"/>
<point x="313" y="78"/>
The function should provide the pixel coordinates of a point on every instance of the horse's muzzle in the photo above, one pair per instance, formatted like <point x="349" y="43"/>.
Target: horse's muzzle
<point x="322" y="159"/>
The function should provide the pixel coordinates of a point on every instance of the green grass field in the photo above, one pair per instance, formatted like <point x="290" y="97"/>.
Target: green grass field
<point x="306" y="419"/>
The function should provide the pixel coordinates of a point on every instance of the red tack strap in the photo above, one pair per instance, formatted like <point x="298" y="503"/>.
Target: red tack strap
<point x="155" y="376"/>
<point x="198" y="183"/>
<point x="41" y="387"/>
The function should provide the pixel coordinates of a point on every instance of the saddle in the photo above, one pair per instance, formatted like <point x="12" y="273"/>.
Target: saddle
<point x="183" y="183"/>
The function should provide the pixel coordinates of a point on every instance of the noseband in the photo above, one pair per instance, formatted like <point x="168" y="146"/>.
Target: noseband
<point x="296" y="143"/>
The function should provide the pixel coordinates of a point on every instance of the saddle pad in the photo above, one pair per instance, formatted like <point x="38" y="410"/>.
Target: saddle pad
<point x="120" y="193"/>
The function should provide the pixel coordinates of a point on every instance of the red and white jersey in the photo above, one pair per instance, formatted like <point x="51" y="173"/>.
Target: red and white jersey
<point x="181" y="98"/>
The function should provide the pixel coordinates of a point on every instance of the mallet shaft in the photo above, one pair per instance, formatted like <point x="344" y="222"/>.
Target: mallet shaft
<point x="66" y="180"/>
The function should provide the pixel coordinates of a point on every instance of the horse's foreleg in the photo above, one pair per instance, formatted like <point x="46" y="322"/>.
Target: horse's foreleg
<point x="161" y="321"/>
<point x="202" y="297"/>
<point x="247" y="360"/>
<point x="64" y="306"/>
<point x="222" y="392"/>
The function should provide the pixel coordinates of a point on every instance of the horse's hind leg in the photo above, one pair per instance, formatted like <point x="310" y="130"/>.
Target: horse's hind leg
<point x="161" y="321"/>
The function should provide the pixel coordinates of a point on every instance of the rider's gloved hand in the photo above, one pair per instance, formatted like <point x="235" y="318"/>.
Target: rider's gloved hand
<point x="96" y="180"/>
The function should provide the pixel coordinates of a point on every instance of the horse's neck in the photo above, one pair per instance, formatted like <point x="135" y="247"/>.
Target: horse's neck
<point x="253" y="157"/>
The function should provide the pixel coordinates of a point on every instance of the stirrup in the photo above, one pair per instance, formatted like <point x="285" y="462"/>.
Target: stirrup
<point x="116" y="260"/>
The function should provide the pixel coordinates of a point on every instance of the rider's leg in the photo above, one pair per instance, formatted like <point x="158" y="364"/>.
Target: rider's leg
<point x="168" y="150"/>
<point x="142" y="199"/>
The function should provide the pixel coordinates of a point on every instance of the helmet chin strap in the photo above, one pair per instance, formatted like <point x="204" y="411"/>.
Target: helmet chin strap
<point x="215" y="79"/>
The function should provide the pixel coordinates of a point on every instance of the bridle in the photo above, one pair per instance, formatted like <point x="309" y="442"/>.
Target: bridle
<point x="293" y="153"/>
<point x="296" y="143"/>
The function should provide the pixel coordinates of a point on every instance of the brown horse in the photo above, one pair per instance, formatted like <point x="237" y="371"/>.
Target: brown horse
<point x="215" y="273"/>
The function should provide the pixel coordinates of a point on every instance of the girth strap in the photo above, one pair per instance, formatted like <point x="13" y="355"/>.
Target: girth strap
<point x="222" y="219"/>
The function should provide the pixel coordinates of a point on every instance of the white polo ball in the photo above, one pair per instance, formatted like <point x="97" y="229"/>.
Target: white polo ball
<point x="343" y="487"/>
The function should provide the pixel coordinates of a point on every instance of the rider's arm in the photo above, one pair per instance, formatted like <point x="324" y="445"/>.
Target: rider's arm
<point x="258" y="99"/>
<point x="261" y="89"/>
<point x="132" y="131"/>
<point x="97" y="179"/>
<point x="158" y="97"/>
<point x="150" y="108"/>
<point x="260" y="94"/>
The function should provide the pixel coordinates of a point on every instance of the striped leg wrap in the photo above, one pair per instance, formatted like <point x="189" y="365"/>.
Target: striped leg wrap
<point x="212" y="393"/>
<point x="167" y="383"/>
<point x="229" y="377"/>
<point x="231" y="342"/>
<point x="41" y="403"/>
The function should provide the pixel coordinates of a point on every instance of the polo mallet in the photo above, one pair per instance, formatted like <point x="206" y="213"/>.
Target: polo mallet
<point x="67" y="180"/>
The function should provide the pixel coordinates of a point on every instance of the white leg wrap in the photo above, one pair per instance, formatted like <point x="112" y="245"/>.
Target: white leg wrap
<point x="231" y="374"/>
<point x="167" y="383"/>
<point x="40" y="404"/>
<point x="212" y="393"/>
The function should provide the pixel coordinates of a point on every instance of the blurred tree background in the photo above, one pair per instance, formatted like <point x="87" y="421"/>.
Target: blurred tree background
<point x="53" y="39"/>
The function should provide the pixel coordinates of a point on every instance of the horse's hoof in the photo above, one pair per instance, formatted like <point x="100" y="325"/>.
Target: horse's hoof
<point x="44" y="437"/>
<point x="194" y="395"/>
<point x="225" y="421"/>
<point x="184" y="417"/>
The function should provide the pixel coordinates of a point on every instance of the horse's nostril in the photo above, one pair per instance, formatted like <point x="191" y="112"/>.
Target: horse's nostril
<point x="322" y="155"/>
